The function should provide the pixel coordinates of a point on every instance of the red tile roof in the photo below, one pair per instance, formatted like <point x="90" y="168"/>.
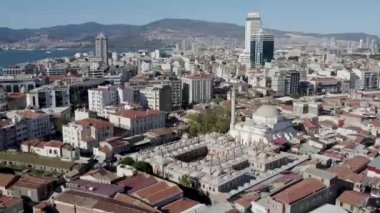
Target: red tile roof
<point x="6" y="180"/>
<point x="55" y="144"/>
<point x="97" y="123"/>
<point x="328" y="124"/>
<point x="179" y="206"/>
<point x="137" y="182"/>
<point x="160" y="195"/>
<point x="299" y="191"/>
<point x="133" y="114"/>
<point x="376" y="123"/>
<point x="353" y="198"/>
<point x="310" y="124"/>
<point x="356" y="164"/>
<point x="151" y="189"/>
<point x="29" y="114"/>
<point x="9" y="202"/>
<point x="246" y="200"/>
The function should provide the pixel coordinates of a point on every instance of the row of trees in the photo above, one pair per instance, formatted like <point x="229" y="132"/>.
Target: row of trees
<point x="211" y="120"/>
<point x="139" y="165"/>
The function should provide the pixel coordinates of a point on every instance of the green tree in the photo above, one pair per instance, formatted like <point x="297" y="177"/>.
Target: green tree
<point x="127" y="161"/>
<point x="186" y="181"/>
<point x="213" y="120"/>
<point x="296" y="96"/>
<point x="143" y="166"/>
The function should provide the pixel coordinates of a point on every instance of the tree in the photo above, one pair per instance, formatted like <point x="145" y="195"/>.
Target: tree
<point x="143" y="166"/>
<point x="127" y="161"/>
<point x="296" y="96"/>
<point x="186" y="181"/>
<point x="213" y="120"/>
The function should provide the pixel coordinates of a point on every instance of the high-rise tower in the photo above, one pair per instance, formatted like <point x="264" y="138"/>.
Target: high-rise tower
<point x="101" y="47"/>
<point x="259" y="46"/>
<point x="252" y="26"/>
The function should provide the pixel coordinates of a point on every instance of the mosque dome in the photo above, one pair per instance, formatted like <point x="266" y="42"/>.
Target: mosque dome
<point x="267" y="111"/>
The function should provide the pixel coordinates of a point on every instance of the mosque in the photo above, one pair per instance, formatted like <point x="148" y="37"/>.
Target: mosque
<point x="266" y="126"/>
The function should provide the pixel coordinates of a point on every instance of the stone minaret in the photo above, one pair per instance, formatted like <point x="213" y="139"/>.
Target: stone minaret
<point x="233" y="107"/>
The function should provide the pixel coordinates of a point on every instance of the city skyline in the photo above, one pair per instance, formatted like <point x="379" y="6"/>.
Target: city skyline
<point x="315" y="17"/>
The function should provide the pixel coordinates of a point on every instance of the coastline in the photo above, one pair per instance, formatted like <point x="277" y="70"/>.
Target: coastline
<point x="14" y="57"/>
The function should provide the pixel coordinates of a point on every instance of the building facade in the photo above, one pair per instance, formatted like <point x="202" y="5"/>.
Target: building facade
<point x="101" y="48"/>
<point x="197" y="89"/>
<point x="50" y="96"/>
<point x="138" y="121"/>
<point x="87" y="133"/>
<point x="158" y="97"/>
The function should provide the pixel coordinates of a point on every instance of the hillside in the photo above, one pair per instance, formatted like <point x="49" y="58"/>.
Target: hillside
<point x="135" y="36"/>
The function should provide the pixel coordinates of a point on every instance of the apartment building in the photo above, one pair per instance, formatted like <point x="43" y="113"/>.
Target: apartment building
<point x="138" y="84"/>
<point x="87" y="133"/>
<point x="30" y="124"/>
<point x="103" y="96"/>
<point x="197" y="89"/>
<point x="49" y="96"/>
<point x="158" y="97"/>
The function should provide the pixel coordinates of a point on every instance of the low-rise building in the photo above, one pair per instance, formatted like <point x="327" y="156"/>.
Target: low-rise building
<point x="54" y="149"/>
<point x="100" y="176"/>
<point x="353" y="201"/>
<point x="30" y="124"/>
<point x="6" y="181"/>
<point x="302" y="197"/>
<point x="138" y="121"/>
<point x="37" y="162"/>
<point x="11" y="205"/>
<point x="71" y="201"/>
<point x="94" y="188"/>
<point x="87" y="133"/>
<point x="110" y="147"/>
<point x="35" y="188"/>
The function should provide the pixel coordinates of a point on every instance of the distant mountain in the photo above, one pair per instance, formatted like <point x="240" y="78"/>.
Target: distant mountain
<point x="153" y="34"/>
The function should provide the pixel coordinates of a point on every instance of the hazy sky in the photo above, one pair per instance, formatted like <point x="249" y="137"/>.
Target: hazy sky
<point x="319" y="16"/>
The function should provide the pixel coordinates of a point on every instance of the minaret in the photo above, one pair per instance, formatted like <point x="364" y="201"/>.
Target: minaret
<point x="233" y="106"/>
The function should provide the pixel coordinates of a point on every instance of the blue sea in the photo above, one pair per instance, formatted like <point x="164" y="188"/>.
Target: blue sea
<point x="13" y="57"/>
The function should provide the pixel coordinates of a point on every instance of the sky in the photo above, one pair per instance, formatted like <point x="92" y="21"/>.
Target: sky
<point x="322" y="16"/>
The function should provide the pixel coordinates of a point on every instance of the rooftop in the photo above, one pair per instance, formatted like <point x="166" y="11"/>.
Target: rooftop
<point x="329" y="208"/>
<point x="6" y="180"/>
<point x="375" y="163"/>
<point x="138" y="182"/>
<point x="102" y="189"/>
<point x="356" y="164"/>
<point x="353" y="198"/>
<point x="97" y="123"/>
<point x="299" y="191"/>
<point x="28" y="158"/>
<point x="267" y="111"/>
<point x="30" y="114"/>
<point x="9" y="202"/>
<point x="133" y="114"/>
<point x="101" y="174"/>
<point x="198" y="77"/>
<point x="179" y="206"/>
<point x="320" y="173"/>
<point x="28" y="181"/>
<point x="91" y="201"/>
